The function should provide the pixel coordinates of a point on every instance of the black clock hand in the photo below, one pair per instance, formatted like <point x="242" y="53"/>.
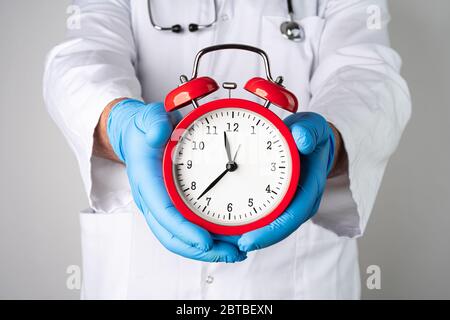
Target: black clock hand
<point x="227" y="147"/>
<point x="228" y="169"/>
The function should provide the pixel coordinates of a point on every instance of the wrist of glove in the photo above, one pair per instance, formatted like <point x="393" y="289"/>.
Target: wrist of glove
<point x="129" y="117"/>
<point x="138" y="133"/>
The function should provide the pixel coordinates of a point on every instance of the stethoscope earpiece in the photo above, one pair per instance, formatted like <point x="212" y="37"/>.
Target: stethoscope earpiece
<point x="176" y="28"/>
<point x="193" y="27"/>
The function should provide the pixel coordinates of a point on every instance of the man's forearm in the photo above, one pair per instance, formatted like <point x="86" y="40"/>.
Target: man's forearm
<point x="102" y="148"/>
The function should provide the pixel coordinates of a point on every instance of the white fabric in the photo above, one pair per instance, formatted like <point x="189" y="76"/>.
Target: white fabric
<point x="343" y="70"/>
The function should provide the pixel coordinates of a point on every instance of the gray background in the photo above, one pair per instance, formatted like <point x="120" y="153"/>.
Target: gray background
<point x="41" y="191"/>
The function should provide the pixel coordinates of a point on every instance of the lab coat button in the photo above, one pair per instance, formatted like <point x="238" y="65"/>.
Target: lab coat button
<point x="209" y="280"/>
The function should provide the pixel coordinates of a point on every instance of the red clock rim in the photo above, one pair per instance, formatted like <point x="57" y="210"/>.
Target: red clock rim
<point x="195" y="114"/>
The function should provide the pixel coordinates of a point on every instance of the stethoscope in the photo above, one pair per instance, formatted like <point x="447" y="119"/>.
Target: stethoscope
<point x="289" y="29"/>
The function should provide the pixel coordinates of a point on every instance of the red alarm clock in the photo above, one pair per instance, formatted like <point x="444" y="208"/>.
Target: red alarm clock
<point x="231" y="165"/>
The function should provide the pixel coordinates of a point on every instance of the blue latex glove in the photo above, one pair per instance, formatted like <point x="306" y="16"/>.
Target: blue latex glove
<point x="315" y="141"/>
<point x="138" y="134"/>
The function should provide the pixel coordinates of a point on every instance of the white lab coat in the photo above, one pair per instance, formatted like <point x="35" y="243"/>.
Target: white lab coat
<point x="344" y="70"/>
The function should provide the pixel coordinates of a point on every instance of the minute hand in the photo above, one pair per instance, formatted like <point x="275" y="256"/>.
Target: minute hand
<point x="214" y="183"/>
<point x="227" y="146"/>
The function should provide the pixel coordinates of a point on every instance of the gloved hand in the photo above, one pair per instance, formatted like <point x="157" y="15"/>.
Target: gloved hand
<point x="138" y="133"/>
<point x="315" y="141"/>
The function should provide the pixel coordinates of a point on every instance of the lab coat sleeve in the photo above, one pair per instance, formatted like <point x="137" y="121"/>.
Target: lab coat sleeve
<point x="92" y="67"/>
<point x="357" y="87"/>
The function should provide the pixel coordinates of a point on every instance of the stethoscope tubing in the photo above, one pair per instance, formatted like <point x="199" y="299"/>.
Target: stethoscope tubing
<point x="290" y="29"/>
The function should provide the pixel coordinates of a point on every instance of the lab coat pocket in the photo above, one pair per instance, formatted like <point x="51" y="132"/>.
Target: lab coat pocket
<point x="106" y="240"/>
<point x="293" y="60"/>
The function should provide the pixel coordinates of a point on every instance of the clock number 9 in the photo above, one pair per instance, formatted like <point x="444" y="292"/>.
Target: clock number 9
<point x="189" y="164"/>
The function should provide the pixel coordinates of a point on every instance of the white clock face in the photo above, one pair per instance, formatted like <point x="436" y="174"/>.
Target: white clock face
<point x="237" y="186"/>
